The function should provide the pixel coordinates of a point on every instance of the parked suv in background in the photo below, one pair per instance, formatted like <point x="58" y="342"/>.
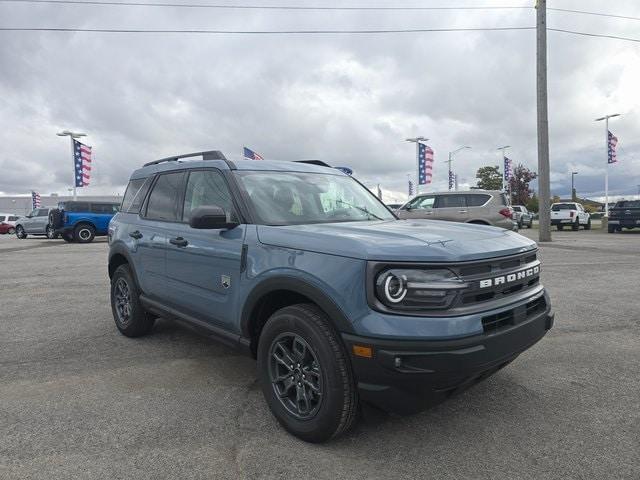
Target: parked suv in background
<point x="305" y="269"/>
<point x="8" y="223"/>
<point x="82" y="221"/>
<point x="624" y="214"/>
<point x="483" y="207"/>
<point x="35" y="223"/>
<point x="570" y="214"/>
<point x="522" y="216"/>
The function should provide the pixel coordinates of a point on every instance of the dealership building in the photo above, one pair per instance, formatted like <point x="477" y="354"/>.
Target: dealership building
<point x="22" y="205"/>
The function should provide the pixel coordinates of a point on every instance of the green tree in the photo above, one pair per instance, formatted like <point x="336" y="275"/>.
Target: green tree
<point x="519" y="184"/>
<point x="532" y="205"/>
<point x="489" y="178"/>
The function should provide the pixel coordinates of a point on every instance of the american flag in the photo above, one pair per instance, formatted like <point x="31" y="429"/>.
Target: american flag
<point x="251" y="155"/>
<point x="35" y="199"/>
<point x="613" y="141"/>
<point x="425" y="164"/>
<point x="452" y="179"/>
<point x="507" y="169"/>
<point x="82" y="162"/>
<point x="411" y="190"/>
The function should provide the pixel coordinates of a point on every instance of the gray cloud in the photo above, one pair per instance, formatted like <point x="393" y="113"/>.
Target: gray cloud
<point x="350" y="100"/>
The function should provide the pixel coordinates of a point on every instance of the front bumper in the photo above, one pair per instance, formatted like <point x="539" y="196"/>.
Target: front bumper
<point x="405" y="376"/>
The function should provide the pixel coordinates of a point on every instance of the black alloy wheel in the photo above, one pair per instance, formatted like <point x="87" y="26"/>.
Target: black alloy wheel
<point x="20" y="233"/>
<point x="295" y="375"/>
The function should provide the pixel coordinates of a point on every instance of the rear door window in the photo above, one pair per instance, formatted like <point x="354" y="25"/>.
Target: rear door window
<point x="451" y="201"/>
<point x="12" y="218"/>
<point x="163" y="200"/>
<point x="2" y="218"/>
<point x="42" y="212"/>
<point x="477" y="200"/>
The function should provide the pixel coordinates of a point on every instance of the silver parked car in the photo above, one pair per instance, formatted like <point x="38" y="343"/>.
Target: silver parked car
<point x="36" y="223"/>
<point x="522" y="216"/>
<point x="484" y="207"/>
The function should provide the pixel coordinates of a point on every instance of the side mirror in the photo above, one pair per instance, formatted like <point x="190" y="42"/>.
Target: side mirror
<point x="209" y="218"/>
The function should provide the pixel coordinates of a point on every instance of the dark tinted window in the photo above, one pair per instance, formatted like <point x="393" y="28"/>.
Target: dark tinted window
<point x="134" y="196"/>
<point x="477" y="200"/>
<point x="563" y="206"/>
<point x="12" y="219"/>
<point x="450" y="201"/>
<point x="163" y="201"/>
<point x="104" y="207"/>
<point x="2" y="218"/>
<point x="42" y="212"/>
<point x="76" y="207"/>
<point x="621" y="204"/>
<point x="206" y="188"/>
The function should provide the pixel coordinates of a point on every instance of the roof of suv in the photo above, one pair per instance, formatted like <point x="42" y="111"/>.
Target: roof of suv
<point x="261" y="165"/>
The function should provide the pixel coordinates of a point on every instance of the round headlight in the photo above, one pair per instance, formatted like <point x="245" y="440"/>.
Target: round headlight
<point x="392" y="287"/>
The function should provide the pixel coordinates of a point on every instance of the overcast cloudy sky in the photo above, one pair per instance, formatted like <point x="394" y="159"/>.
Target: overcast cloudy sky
<point x="346" y="99"/>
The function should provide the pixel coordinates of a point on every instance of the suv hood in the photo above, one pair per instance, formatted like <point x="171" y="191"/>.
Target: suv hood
<point x="399" y="240"/>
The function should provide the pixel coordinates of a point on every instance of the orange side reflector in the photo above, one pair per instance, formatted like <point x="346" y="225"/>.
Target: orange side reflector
<point x="362" y="351"/>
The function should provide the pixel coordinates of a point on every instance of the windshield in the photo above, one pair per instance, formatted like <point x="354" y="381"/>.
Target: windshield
<point x="294" y="198"/>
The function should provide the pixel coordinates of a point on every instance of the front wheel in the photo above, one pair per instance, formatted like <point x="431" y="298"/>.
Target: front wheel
<point x="130" y="317"/>
<point x="588" y="225"/>
<point x="560" y="227"/>
<point x="611" y="228"/>
<point x="530" y="224"/>
<point x="305" y="374"/>
<point x="20" y="233"/>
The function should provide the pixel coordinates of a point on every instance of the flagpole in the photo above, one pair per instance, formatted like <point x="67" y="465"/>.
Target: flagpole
<point x="606" y="168"/>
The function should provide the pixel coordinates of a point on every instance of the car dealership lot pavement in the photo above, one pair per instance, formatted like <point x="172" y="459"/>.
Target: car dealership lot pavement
<point x="77" y="399"/>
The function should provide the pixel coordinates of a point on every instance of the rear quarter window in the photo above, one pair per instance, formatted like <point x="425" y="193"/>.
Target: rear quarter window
<point x="134" y="195"/>
<point x="477" y="200"/>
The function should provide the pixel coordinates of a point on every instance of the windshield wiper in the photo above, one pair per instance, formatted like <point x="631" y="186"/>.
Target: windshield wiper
<point x="362" y="209"/>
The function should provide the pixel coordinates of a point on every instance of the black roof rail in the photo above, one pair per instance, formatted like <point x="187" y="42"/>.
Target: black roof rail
<point x="320" y="163"/>
<point x="208" y="155"/>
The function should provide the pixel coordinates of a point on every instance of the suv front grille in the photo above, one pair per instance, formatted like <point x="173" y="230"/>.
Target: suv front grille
<point x="497" y="321"/>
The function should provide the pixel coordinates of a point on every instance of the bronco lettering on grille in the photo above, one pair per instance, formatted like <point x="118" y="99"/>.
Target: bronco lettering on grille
<point x="512" y="277"/>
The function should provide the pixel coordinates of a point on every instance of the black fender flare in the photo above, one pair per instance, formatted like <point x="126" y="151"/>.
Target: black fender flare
<point x="297" y="285"/>
<point x="120" y="249"/>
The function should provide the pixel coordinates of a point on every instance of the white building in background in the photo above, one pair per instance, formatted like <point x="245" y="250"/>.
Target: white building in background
<point x="21" y="205"/>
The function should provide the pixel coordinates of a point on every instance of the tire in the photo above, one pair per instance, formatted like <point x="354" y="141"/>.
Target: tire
<point x="588" y="225"/>
<point x="520" y="225"/>
<point x="84" y="233"/>
<point x="530" y="225"/>
<point x="301" y="334"/>
<point x="576" y="226"/>
<point x="130" y="317"/>
<point x="559" y="227"/>
<point x="611" y="228"/>
<point x="20" y="233"/>
<point x="11" y="231"/>
<point x="51" y="233"/>
<point x="68" y="237"/>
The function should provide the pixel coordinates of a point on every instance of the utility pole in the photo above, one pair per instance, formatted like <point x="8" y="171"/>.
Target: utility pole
<point x="451" y="176"/>
<point x="544" y="193"/>
<point x="574" y="197"/>
<point x="72" y="135"/>
<point x="606" y="171"/>
<point x="417" y="141"/>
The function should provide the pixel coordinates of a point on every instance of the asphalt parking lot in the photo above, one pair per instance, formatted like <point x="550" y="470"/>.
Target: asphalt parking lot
<point x="79" y="400"/>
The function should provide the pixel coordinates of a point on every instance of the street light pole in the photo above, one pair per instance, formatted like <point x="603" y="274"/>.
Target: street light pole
<point x="72" y="135"/>
<point x="606" y="171"/>
<point x="573" y="195"/>
<point x="417" y="141"/>
<point x="451" y="154"/>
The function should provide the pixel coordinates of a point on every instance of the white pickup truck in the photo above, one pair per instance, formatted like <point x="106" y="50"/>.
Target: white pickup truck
<point x="571" y="214"/>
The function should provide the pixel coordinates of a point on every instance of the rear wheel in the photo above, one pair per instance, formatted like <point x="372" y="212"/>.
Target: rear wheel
<point x="611" y="228"/>
<point x="530" y="224"/>
<point x="576" y="226"/>
<point x="50" y="231"/>
<point x="84" y="233"/>
<point x="559" y="227"/>
<point x="20" y="233"/>
<point x="305" y="374"/>
<point x="130" y="317"/>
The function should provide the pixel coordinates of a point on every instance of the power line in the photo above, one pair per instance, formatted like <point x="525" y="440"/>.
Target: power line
<point x="582" y="12"/>
<point x="587" y="34"/>
<point x="261" y="32"/>
<point x="264" y="7"/>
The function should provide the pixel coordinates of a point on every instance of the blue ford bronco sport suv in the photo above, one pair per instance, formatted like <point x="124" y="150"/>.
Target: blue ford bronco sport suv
<point x="82" y="221"/>
<point x="338" y="300"/>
